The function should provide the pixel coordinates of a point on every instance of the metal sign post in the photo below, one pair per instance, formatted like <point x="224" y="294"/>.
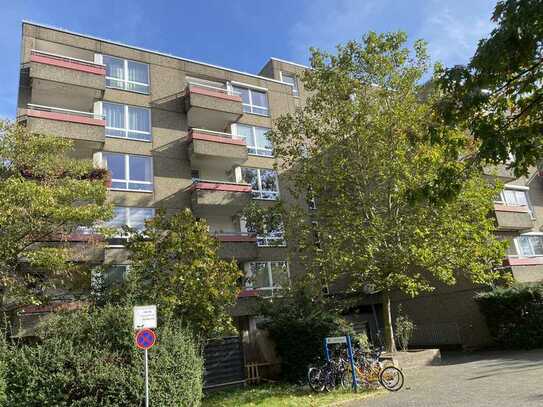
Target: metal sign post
<point x="145" y="317"/>
<point x="347" y="341"/>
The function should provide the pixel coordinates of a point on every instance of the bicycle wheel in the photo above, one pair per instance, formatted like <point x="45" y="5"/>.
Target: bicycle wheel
<point x="330" y="379"/>
<point x="391" y="378"/>
<point x="315" y="379"/>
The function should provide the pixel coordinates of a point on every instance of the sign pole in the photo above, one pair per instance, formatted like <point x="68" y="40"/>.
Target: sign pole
<point x="146" y="380"/>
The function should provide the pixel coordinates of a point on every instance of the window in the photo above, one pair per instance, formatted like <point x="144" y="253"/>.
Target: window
<point x="256" y="139"/>
<point x="268" y="276"/>
<point x="515" y="197"/>
<point x="132" y="217"/>
<point x="127" y="75"/>
<point x="292" y="81"/>
<point x="130" y="172"/>
<point x="316" y="234"/>
<point x="311" y="200"/>
<point x="127" y="121"/>
<point x="270" y="237"/>
<point x="254" y="101"/>
<point x="530" y="245"/>
<point x="264" y="182"/>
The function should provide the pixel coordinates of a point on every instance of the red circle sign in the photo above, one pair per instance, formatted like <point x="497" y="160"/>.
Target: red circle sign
<point x="145" y="339"/>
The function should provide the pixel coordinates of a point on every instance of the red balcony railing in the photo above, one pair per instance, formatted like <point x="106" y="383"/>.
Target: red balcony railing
<point x="64" y="115"/>
<point x="204" y="185"/>
<point x="214" y="91"/>
<point x="215" y="136"/>
<point x="62" y="61"/>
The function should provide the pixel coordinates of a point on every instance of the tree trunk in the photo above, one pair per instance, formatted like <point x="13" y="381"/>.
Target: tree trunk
<point x="388" y="332"/>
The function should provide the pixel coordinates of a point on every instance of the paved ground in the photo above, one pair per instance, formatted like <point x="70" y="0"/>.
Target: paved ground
<point x="497" y="379"/>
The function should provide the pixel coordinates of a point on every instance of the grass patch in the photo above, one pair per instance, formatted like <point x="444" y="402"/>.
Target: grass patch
<point x="280" y="396"/>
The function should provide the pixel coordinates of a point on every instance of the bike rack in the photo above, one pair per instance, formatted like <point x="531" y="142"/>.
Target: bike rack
<point x="348" y="342"/>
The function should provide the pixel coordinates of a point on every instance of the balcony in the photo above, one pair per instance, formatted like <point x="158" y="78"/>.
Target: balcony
<point x="526" y="269"/>
<point x="239" y="246"/>
<point x="218" y="198"/>
<point x="513" y="217"/>
<point x="56" y="79"/>
<point x="223" y="149"/>
<point x="86" y="127"/>
<point x="211" y="107"/>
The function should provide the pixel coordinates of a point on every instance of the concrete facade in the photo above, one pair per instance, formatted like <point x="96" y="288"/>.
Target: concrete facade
<point x="194" y="112"/>
<point x="64" y="90"/>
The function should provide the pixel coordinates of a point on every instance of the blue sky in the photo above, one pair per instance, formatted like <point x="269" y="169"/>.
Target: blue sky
<point x="243" y="34"/>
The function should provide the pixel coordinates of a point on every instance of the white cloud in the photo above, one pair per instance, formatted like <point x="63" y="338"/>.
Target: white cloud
<point x="452" y="29"/>
<point x="325" y="23"/>
<point x="453" y="34"/>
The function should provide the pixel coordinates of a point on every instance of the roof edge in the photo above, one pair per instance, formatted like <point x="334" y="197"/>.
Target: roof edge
<point x="290" y="63"/>
<point x="165" y="54"/>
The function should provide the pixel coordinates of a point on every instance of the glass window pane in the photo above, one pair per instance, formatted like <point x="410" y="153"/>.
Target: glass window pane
<point x="114" y="67"/>
<point x="136" y="186"/>
<point x="115" y="274"/>
<point x="244" y="93"/>
<point x="250" y="176"/>
<point x="268" y="180"/>
<point x="119" y="217"/>
<point x="140" y="168"/>
<point x="115" y="165"/>
<point x="524" y="246"/>
<point x="509" y="195"/>
<point x="138" y="119"/>
<point x="259" y="98"/>
<point x="138" y="216"/>
<point x="114" y="115"/>
<point x="138" y="72"/>
<point x="259" y="275"/>
<point x="521" y="198"/>
<point x="262" y="141"/>
<point x="291" y="80"/>
<point x="279" y="274"/>
<point x="246" y="133"/>
<point x="537" y="245"/>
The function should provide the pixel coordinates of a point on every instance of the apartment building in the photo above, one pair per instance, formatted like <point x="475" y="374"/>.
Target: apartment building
<point x="177" y="133"/>
<point x="174" y="133"/>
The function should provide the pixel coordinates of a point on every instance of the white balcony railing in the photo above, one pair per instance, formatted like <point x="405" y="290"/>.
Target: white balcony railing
<point x="53" y="109"/>
<point x="66" y="58"/>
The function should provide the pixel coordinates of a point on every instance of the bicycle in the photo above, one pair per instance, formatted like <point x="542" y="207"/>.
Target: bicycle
<point x="373" y="371"/>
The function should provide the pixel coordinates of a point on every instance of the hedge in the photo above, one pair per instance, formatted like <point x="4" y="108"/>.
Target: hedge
<point x="88" y="358"/>
<point x="514" y="315"/>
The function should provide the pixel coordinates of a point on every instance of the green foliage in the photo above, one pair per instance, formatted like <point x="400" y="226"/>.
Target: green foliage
<point x="404" y="329"/>
<point x="88" y="358"/>
<point x="498" y="96"/>
<point x="365" y="145"/>
<point x="298" y="324"/>
<point x="514" y="315"/>
<point x="44" y="196"/>
<point x="176" y="266"/>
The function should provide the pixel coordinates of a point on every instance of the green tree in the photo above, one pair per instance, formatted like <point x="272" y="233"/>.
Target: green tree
<point x="498" y="95"/>
<point x="44" y="196"/>
<point x="175" y="265"/>
<point x="364" y="145"/>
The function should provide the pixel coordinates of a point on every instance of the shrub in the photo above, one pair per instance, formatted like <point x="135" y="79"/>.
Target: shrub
<point x="298" y="325"/>
<point x="404" y="329"/>
<point x="514" y="315"/>
<point x="88" y="358"/>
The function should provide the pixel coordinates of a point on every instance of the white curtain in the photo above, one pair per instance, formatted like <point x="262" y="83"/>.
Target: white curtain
<point x="138" y="72"/>
<point x="138" y="119"/>
<point x="114" y="115"/>
<point x="114" y="67"/>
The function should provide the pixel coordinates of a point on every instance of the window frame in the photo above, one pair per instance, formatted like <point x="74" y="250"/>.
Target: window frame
<point x="518" y="246"/>
<point x="260" y="191"/>
<point x="127" y="173"/>
<point x="272" y="288"/>
<point x="235" y="127"/>
<point x="251" y="105"/>
<point x="525" y="190"/>
<point x="126" y="81"/>
<point x="127" y="217"/>
<point x="126" y="130"/>
<point x="294" y="85"/>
